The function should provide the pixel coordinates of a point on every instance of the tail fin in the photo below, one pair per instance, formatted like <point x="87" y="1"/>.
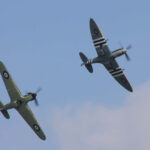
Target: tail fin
<point x="86" y="62"/>
<point x="4" y="112"/>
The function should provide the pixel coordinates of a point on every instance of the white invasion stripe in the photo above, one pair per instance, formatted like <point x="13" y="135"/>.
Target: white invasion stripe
<point x="99" y="42"/>
<point x="104" y="44"/>
<point x="112" y="71"/>
<point x="117" y="67"/>
<point x="97" y="46"/>
<point x="118" y="75"/>
<point x="116" y="72"/>
<point x="98" y="39"/>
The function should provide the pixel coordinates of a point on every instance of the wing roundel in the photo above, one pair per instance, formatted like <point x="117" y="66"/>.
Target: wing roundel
<point x="11" y="87"/>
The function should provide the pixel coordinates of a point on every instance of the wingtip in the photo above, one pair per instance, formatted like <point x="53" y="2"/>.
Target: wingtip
<point x="91" y="20"/>
<point x="8" y="117"/>
<point x="131" y="90"/>
<point x="80" y="53"/>
<point x="43" y="137"/>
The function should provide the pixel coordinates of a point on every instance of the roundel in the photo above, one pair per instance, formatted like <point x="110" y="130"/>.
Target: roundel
<point x="5" y="75"/>
<point x="36" y="127"/>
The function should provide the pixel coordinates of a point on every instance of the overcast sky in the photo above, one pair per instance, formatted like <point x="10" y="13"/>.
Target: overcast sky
<point x="39" y="44"/>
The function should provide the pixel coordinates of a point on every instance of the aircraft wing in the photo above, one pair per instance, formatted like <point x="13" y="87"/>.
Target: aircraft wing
<point x="11" y="87"/>
<point x="25" y="111"/>
<point x="99" y="41"/>
<point x="114" y="69"/>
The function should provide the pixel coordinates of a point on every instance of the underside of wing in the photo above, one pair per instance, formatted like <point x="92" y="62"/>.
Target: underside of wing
<point x="11" y="87"/>
<point x="118" y="74"/>
<point x="28" y="116"/>
<point x="122" y="79"/>
<point x="98" y="39"/>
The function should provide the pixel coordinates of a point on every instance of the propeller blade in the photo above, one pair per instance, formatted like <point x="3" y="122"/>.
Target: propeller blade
<point x="121" y="45"/>
<point x="36" y="102"/>
<point x="38" y="90"/>
<point x="127" y="56"/>
<point x="129" y="47"/>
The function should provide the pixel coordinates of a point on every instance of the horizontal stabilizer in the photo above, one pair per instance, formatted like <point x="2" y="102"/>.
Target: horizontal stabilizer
<point x="86" y="62"/>
<point x="89" y="68"/>
<point x="83" y="57"/>
<point x="4" y="112"/>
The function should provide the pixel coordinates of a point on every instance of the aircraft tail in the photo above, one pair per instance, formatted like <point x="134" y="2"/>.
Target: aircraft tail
<point x="4" y="112"/>
<point x="86" y="62"/>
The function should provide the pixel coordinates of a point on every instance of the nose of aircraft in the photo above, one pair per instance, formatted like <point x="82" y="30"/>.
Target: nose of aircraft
<point x="124" y="50"/>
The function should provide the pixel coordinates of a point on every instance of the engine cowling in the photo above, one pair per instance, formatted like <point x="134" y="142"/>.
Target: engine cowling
<point x="118" y="52"/>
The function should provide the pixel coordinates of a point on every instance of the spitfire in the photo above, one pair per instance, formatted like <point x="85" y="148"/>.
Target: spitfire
<point x="19" y="102"/>
<point x="106" y="57"/>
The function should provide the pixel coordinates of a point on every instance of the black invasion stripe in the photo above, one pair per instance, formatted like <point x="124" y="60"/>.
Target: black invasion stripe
<point x="100" y="43"/>
<point x="99" y="40"/>
<point x="117" y="73"/>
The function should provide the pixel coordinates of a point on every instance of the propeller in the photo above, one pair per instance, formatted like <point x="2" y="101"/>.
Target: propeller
<point x="38" y="90"/>
<point x="35" y="94"/>
<point x="36" y="102"/>
<point x="126" y="55"/>
<point x="127" y="48"/>
<point x="121" y="45"/>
